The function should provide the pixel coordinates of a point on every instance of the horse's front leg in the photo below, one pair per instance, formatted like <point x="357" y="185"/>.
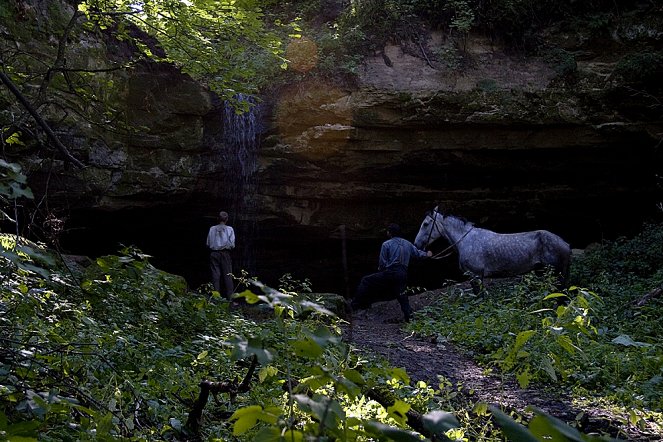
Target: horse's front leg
<point x="476" y="282"/>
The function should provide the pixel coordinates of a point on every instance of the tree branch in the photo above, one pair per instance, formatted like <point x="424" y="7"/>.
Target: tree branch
<point x="59" y="59"/>
<point x="40" y="121"/>
<point x="194" y="420"/>
<point x="649" y="296"/>
<point x="414" y="418"/>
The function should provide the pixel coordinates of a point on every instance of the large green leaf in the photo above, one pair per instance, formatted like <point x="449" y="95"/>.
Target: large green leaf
<point x="398" y="411"/>
<point x="245" y="419"/>
<point x="512" y="429"/>
<point x="392" y="433"/>
<point x="439" y="422"/>
<point x="307" y="348"/>
<point x="243" y="347"/>
<point x="325" y="409"/>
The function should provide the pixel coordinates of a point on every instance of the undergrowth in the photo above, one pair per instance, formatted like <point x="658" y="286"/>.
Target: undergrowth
<point x="120" y="350"/>
<point x="600" y="338"/>
<point x="123" y="351"/>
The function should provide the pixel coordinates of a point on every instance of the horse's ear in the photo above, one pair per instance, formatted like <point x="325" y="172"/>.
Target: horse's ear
<point x="436" y="209"/>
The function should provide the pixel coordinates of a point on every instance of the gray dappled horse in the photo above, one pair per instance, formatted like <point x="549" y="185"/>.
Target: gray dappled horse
<point x="484" y="253"/>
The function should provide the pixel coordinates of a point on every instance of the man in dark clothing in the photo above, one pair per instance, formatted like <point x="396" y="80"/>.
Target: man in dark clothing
<point x="391" y="279"/>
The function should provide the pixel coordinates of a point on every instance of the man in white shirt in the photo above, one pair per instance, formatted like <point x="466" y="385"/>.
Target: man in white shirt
<point x="220" y="240"/>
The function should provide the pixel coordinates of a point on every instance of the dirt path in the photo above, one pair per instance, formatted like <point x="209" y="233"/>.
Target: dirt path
<point x="375" y="332"/>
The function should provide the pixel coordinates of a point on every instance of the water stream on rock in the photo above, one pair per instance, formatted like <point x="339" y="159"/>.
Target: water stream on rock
<point x="241" y="144"/>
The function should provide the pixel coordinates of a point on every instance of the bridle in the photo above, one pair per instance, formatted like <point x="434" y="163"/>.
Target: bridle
<point x="430" y="234"/>
<point x="448" y="251"/>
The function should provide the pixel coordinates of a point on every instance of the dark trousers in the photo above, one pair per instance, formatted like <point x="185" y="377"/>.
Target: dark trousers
<point x="383" y="286"/>
<point x="221" y="267"/>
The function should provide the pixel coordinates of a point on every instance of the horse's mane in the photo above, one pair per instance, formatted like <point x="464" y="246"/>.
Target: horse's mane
<point x="456" y="219"/>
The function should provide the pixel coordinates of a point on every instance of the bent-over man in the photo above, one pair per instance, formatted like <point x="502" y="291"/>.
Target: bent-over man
<point x="391" y="279"/>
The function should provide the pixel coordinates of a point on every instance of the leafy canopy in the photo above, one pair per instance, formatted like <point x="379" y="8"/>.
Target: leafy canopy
<point x="223" y="43"/>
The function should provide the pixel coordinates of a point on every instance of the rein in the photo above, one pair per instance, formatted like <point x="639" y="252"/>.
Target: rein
<point x="446" y="252"/>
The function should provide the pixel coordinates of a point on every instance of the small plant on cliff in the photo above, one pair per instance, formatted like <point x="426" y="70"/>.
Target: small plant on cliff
<point x="643" y="69"/>
<point x="463" y="17"/>
<point x="563" y="62"/>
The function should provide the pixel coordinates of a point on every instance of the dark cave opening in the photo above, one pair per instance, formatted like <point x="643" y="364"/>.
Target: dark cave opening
<point x="175" y="238"/>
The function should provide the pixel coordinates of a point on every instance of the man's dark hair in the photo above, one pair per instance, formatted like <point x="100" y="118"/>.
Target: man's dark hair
<point x="394" y="229"/>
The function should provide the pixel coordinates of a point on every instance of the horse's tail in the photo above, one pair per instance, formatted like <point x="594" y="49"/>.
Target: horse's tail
<point x="566" y="267"/>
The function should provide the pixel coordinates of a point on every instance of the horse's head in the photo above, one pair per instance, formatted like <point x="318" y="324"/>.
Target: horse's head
<point x="428" y="232"/>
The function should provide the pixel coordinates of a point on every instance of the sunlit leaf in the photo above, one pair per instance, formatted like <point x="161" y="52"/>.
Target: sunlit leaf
<point x="317" y="381"/>
<point x="354" y="376"/>
<point x="307" y="348"/>
<point x="555" y="296"/>
<point x="249" y="296"/>
<point x="523" y="337"/>
<point x="267" y="372"/>
<point x="400" y="374"/>
<point x="273" y="434"/>
<point x="244" y="424"/>
<point x="346" y="386"/>
<point x="246" y="418"/>
<point x="398" y="411"/>
<point x="565" y="342"/>
<point x="524" y="378"/>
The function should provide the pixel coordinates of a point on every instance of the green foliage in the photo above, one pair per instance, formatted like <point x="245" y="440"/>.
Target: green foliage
<point x="463" y="15"/>
<point x="287" y="283"/>
<point x="110" y="359"/>
<point x="118" y="353"/>
<point x="223" y="44"/>
<point x="624" y="261"/>
<point x="13" y="183"/>
<point x="449" y="56"/>
<point x="603" y="346"/>
<point x="365" y="27"/>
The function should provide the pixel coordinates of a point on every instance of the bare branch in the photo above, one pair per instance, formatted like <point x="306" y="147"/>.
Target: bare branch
<point x="206" y="387"/>
<point x="40" y="121"/>
<point x="59" y="59"/>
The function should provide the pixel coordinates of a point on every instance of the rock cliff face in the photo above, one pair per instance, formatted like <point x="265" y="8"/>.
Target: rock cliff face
<point x="507" y="142"/>
<point x="504" y="144"/>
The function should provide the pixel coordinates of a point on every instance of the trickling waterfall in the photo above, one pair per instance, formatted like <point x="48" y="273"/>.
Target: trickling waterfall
<point x="240" y="155"/>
